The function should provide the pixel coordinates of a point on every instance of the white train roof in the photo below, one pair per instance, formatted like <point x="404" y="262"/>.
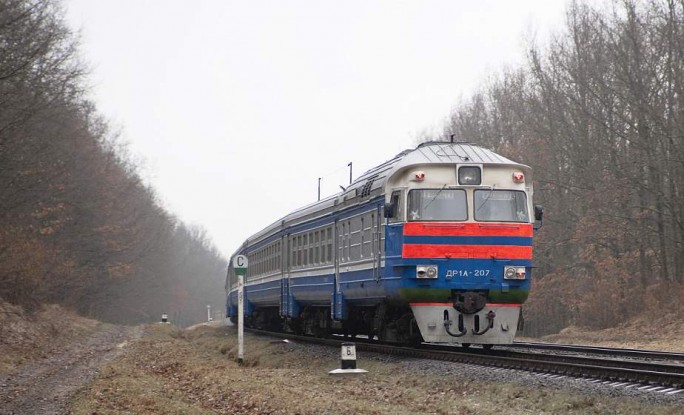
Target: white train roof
<point x="432" y="152"/>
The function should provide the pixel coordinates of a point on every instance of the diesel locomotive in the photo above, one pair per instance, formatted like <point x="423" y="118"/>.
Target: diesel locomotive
<point x="434" y="245"/>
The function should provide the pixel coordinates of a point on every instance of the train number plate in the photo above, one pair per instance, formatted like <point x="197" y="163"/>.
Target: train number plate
<point x="451" y="273"/>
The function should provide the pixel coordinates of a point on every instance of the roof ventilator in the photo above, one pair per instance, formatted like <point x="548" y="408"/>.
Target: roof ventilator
<point x="366" y="190"/>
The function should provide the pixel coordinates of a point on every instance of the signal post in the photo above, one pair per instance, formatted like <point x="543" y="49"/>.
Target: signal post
<point x="240" y="266"/>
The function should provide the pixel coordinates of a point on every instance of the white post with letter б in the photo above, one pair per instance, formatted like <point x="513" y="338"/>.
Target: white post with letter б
<point x="240" y="266"/>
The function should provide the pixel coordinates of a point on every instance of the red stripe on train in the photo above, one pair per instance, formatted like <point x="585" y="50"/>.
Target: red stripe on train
<point x="467" y="229"/>
<point x="466" y="251"/>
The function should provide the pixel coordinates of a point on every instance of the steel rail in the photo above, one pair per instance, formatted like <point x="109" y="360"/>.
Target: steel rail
<point x="574" y="366"/>
<point x="576" y="360"/>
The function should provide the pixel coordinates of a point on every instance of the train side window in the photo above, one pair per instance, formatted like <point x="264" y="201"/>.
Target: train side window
<point x="305" y="248"/>
<point x="363" y="239"/>
<point x="340" y="245"/>
<point x="317" y="252"/>
<point x="299" y="250"/>
<point x="350" y="234"/>
<point x="397" y="206"/>
<point x="343" y="245"/>
<point x="371" y="224"/>
<point x="330" y="258"/>
<point x="311" y="248"/>
<point x="321" y="247"/>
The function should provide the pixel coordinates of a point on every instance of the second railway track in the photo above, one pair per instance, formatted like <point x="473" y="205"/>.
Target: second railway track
<point x="610" y="351"/>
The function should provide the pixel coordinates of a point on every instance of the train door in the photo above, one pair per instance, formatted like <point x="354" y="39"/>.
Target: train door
<point x="376" y="241"/>
<point x="336" y="253"/>
<point x="335" y="298"/>
<point x="285" y="295"/>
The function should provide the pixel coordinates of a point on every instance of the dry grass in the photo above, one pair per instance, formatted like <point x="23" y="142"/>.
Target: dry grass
<point x="662" y="331"/>
<point x="193" y="372"/>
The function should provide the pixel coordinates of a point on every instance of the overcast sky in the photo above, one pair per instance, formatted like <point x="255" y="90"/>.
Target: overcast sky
<point x="236" y="108"/>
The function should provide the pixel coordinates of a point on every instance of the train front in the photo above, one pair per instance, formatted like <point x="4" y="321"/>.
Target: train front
<point x="459" y="237"/>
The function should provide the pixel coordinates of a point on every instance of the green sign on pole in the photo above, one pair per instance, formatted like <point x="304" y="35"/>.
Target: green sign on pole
<point x="240" y="263"/>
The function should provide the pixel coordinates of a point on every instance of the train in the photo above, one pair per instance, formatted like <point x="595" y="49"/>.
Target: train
<point x="434" y="245"/>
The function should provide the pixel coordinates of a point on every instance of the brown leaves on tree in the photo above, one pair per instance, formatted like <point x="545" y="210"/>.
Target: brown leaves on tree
<point x="598" y="113"/>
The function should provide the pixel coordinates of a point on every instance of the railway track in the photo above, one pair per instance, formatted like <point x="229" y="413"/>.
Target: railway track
<point x="644" y="372"/>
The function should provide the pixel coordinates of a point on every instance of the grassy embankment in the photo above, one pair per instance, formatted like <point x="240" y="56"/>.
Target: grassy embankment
<point x="180" y="372"/>
<point x="25" y="338"/>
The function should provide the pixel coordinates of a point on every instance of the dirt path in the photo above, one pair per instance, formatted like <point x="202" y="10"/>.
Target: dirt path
<point x="45" y="386"/>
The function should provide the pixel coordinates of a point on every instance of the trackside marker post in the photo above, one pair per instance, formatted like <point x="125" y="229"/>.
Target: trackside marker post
<point x="240" y="266"/>
<point x="348" y="361"/>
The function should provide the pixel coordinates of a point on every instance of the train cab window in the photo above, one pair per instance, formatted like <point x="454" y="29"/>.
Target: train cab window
<point x="437" y="205"/>
<point x="501" y="206"/>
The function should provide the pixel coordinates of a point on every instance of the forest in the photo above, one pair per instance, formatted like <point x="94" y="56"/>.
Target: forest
<point x="78" y="225"/>
<point x="598" y="113"/>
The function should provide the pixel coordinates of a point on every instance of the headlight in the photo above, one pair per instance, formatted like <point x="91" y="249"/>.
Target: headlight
<point x="514" y="273"/>
<point x="427" y="271"/>
<point x="469" y="175"/>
